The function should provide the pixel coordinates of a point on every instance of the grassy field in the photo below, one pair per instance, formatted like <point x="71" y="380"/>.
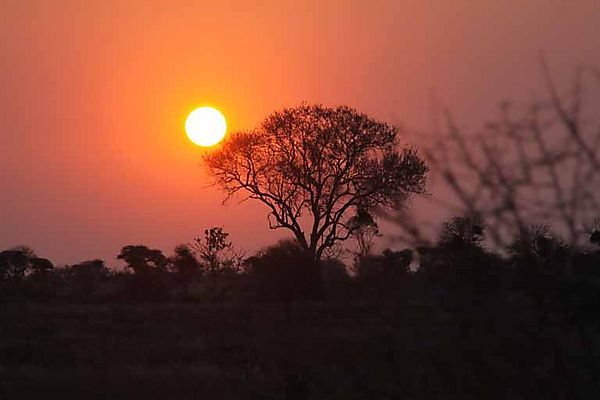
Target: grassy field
<point x="187" y="350"/>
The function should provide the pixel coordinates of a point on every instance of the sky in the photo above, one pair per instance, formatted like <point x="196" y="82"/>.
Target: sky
<point x="94" y="95"/>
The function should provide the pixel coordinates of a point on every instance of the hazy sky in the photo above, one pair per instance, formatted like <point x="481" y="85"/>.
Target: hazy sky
<point x="94" y="94"/>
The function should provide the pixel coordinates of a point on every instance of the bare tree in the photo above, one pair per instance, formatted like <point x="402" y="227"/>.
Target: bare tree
<point x="528" y="166"/>
<point x="312" y="165"/>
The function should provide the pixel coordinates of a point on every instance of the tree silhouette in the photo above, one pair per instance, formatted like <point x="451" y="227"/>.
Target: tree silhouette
<point x="215" y="250"/>
<point x="384" y="275"/>
<point x="88" y="275"/>
<point x="149" y="268"/>
<point x="462" y="230"/>
<point x="142" y="259"/>
<point x="458" y="255"/>
<point x="364" y="230"/>
<point x="20" y="261"/>
<point x="184" y="266"/>
<point x="318" y="161"/>
<point x="541" y="260"/>
<point x="40" y="266"/>
<point x="284" y="272"/>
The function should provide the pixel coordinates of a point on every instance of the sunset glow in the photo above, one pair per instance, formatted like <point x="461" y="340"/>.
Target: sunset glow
<point x="338" y="199"/>
<point x="206" y="126"/>
<point x="95" y="97"/>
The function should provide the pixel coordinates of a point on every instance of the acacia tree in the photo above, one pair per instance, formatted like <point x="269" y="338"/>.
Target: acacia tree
<point x="142" y="259"/>
<point x="312" y="166"/>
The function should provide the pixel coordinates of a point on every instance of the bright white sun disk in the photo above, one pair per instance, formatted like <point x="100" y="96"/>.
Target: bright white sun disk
<point x="206" y="126"/>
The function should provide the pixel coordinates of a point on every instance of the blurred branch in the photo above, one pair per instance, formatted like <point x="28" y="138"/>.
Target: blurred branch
<point x="538" y="164"/>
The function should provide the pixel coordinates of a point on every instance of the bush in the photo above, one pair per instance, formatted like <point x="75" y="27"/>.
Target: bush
<point x="285" y="272"/>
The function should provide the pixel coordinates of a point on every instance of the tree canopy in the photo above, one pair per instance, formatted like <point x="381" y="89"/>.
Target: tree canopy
<point x="141" y="258"/>
<point x="312" y="166"/>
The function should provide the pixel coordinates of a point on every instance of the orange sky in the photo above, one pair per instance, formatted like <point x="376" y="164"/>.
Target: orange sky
<point x="94" y="96"/>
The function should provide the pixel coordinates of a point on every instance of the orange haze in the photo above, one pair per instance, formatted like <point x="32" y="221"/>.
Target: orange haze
<point x="94" y="95"/>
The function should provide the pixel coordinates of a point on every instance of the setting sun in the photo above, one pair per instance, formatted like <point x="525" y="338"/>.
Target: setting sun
<point x="205" y="126"/>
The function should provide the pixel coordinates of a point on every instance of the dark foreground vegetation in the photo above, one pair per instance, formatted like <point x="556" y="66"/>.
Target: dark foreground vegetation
<point x="494" y="308"/>
<point x="468" y="323"/>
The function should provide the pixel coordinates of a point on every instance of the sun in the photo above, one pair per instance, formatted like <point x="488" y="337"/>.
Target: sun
<point x="205" y="126"/>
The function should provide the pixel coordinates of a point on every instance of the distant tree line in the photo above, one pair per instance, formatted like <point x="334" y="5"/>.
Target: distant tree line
<point x="537" y="262"/>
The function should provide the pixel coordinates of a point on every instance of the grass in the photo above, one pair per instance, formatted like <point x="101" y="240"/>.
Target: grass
<point x="187" y="350"/>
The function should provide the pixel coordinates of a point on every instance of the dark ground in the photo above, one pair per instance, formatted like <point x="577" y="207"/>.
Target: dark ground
<point x="188" y="350"/>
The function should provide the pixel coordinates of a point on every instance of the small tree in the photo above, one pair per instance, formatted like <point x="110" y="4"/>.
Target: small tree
<point x="364" y="230"/>
<point x="184" y="266"/>
<point x="214" y="249"/>
<point x="318" y="162"/>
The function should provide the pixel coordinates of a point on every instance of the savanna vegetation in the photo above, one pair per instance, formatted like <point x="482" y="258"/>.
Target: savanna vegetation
<point x="460" y="315"/>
